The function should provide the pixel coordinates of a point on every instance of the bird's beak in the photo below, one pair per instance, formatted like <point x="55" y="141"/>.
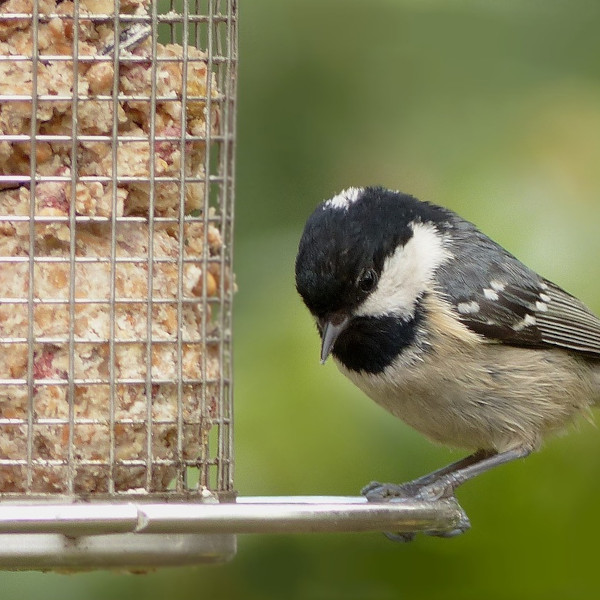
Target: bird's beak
<point x="331" y="329"/>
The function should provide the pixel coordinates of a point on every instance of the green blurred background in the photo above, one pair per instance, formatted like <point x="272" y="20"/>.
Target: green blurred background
<point x="489" y="107"/>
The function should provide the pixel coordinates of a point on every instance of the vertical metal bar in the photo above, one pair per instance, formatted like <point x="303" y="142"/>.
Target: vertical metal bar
<point x="230" y="87"/>
<point x="150" y="257"/>
<point x="223" y="202"/>
<point x="32" y="236"/>
<point x="72" y="240"/>
<point x="181" y="481"/>
<point x="207" y="450"/>
<point x="113" y="252"/>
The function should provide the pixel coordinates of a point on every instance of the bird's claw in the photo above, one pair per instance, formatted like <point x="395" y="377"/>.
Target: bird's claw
<point x="442" y="488"/>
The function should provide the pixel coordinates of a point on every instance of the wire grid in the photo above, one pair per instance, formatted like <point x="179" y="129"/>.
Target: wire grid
<point x="116" y="217"/>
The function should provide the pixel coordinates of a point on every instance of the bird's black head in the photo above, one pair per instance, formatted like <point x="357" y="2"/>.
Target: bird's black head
<point x="344" y="248"/>
<point x="346" y="241"/>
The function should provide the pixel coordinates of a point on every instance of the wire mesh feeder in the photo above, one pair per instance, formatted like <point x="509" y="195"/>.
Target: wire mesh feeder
<point x="116" y="194"/>
<point x="117" y="130"/>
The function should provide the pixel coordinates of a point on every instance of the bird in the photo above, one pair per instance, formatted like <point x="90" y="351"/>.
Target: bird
<point x="447" y="330"/>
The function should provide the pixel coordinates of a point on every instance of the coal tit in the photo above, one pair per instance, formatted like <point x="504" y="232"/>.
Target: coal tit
<point x="445" y="329"/>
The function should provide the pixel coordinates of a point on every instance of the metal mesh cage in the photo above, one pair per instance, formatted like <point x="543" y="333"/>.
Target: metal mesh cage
<point x="116" y="212"/>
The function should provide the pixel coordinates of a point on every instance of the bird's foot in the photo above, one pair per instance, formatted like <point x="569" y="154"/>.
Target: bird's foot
<point x="442" y="488"/>
<point x="419" y="489"/>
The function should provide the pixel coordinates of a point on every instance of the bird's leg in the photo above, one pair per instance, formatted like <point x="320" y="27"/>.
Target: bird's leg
<point x="377" y="492"/>
<point x="442" y="484"/>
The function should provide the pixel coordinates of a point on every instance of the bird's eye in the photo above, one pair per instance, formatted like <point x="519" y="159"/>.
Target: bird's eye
<point x="368" y="280"/>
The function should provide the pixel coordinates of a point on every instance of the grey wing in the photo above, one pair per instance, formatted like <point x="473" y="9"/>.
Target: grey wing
<point x="498" y="297"/>
<point x="568" y="323"/>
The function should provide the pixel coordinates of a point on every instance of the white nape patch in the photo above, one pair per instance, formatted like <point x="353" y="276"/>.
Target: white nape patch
<point x="528" y="321"/>
<point x="490" y="294"/>
<point x="541" y="306"/>
<point x="468" y="308"/>
<point x="406" y="274"/>
<point x="497" y="286"/>
<point x="344" y="199"/>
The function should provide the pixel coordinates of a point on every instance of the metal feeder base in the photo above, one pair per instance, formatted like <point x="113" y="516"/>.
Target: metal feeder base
<point x="120" y="551"/>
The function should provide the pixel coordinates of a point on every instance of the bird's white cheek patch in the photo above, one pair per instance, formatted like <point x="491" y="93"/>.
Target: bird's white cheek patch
<point x="406" y="274"/>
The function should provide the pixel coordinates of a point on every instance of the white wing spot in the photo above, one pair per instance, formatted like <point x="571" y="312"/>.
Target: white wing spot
<point x="344" y="199"/>
<point x="497" y="286"/>
<point x="541" y="306"/>
<point x="490" y="294"/>
<point x="528" y="321"/>
<point x="468" y="308"/>
<point x="545" y="298"/>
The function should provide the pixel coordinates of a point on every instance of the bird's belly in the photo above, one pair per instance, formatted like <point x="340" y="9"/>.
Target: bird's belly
<point x="495" y="402"/>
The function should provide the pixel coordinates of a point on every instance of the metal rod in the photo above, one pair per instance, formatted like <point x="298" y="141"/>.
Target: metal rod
<point x="315" y="514"/>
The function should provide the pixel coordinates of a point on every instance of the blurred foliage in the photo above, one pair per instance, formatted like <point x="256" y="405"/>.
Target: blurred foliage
<point x="489" y="107"/>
